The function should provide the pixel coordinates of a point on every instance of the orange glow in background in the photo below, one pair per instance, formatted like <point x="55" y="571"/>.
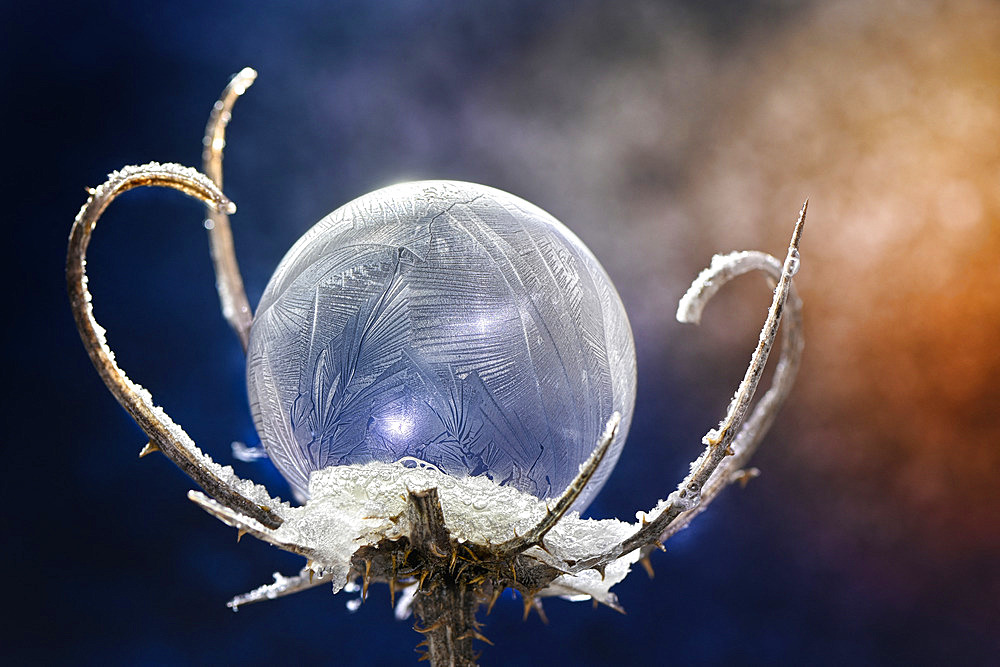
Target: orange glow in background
<point x="660" y="133"/>
<point x="888" y="116"/>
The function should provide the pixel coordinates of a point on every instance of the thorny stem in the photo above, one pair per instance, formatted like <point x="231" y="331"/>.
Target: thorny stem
<point x="164" y="435"/>
<point x="759" y="422"/>
<point x="445" y="607"/>
<point x="702" y="484"/>
<point x="228" y="282"/>
<point x="718" y="441"/>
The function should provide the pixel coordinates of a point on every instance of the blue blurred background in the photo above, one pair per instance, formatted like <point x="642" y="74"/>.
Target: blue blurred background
<point x="660" y="133"/>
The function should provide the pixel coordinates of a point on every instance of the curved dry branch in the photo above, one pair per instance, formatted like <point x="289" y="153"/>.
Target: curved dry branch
<point x="760" y="420"/>
<point x="730" y="445"/>
<point x="587" y="469"/>
<point x="228" y="281"/>
<point x="164" y="434"/>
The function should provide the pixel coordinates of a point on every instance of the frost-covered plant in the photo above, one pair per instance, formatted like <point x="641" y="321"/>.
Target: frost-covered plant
<point x="445" y="375"/>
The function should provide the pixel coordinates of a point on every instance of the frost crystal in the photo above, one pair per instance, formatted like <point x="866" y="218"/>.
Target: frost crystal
<point x="445" y="321"/>
<point x="359" y="505"/>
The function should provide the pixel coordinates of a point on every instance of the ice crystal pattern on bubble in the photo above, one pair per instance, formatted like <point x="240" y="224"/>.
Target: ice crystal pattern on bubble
<point x="445" y="321"/>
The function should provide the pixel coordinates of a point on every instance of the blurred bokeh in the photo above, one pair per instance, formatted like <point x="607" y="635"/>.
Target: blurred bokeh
<point x="660" y="133"/>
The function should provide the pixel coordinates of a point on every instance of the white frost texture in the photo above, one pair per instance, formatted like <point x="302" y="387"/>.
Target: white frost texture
<point x="358" y="505"/>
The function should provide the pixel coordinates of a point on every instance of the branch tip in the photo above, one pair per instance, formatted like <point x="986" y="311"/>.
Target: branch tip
<point x="229" y="282"/>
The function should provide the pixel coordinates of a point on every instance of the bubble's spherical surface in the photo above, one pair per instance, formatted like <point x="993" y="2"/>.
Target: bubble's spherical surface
<point x="446" y="321"/>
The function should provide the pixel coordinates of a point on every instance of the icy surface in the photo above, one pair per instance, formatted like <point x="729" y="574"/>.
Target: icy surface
<point x="445" y="321"/>
<point x="358" y="505"/>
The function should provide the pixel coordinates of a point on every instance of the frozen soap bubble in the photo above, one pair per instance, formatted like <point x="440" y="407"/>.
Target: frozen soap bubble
<point x="446" y="321"/>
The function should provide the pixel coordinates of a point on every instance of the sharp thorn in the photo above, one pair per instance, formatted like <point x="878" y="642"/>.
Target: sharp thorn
<point x="475" y="635"/>
<point x="541" y="612"/>
<point x="430" y="628"/>
<point x="744" y="476"/>
<point x="367" y="580"/>
<point x="149" y="449"/>
<point x="493" y="599"/>
<point x="392" y="583"/>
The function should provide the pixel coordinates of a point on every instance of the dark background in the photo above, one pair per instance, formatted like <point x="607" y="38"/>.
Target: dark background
<point x="660" y="133"/>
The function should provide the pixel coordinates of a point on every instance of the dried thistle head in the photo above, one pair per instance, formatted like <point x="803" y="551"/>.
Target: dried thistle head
<point x="445" y="375"/>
